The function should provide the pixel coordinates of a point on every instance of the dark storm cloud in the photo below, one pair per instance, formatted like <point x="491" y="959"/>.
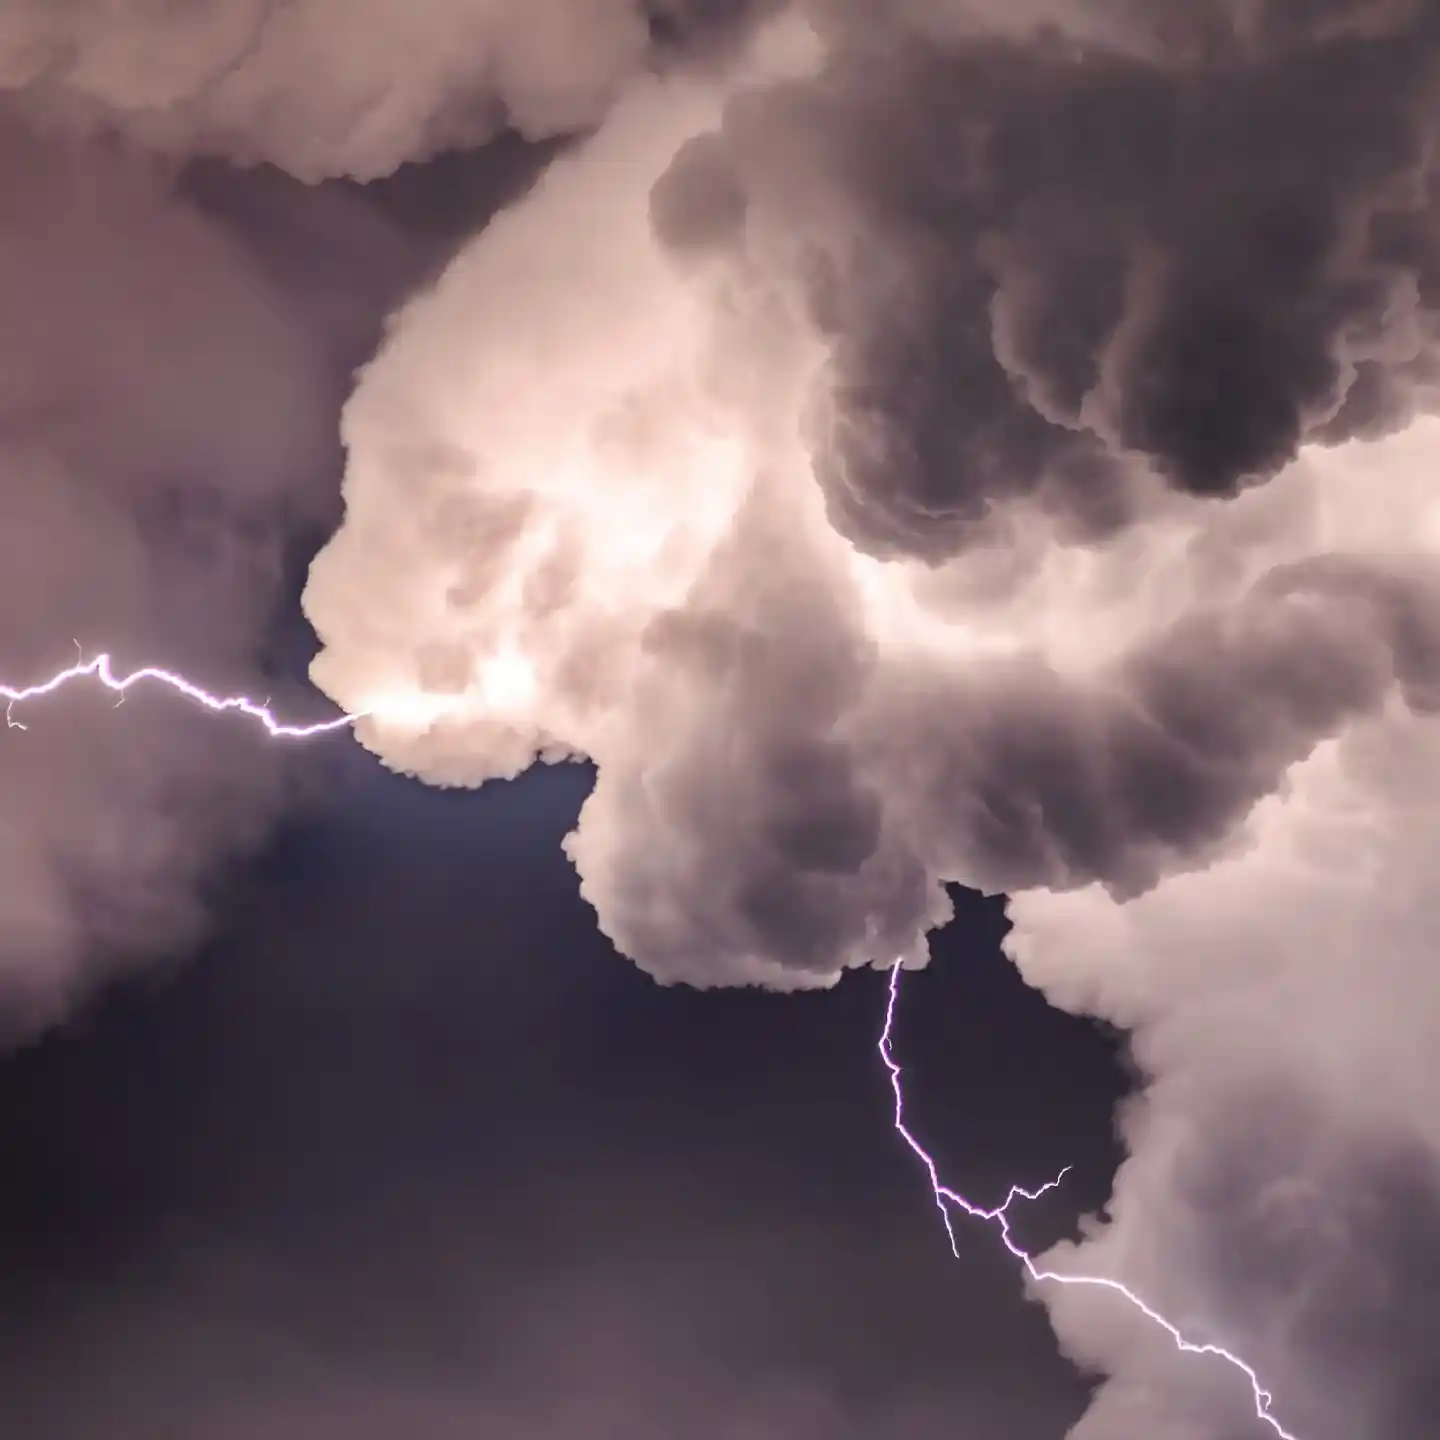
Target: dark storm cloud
<point x="325" y="90"/>
<point x="174" y="349"/>
<point x="808" y="834"/>
<point x="1047" y="784"/>
<point x="162" y="429"/>
<point x="1004" y="243"/>
<point x="1041" y="261"/>
<point x="749" y="826"/>
<point x="691" y="27"/>
<point x="176" y="340"/>
<point x="1049" y="298"/>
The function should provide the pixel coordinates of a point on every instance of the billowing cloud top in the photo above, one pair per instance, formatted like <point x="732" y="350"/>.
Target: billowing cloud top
<point x="899" y="443"/>
<point x="984" y="447"/>
<point x="175" y="341"/>
<point x="841" y="477"/>
<point x="325" y="88"/>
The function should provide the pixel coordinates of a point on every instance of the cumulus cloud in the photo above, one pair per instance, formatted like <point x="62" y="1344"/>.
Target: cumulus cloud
<point x="175" y="342"/>
<point x="1065" y="287"/>
<point x="955" y="445"/>
<point x="583" y="518"/>
<point x="336" y="87"/>
<point x="166" y="389"/>
<point x="939" y="442"/>
<point x="1281" y="1193"/>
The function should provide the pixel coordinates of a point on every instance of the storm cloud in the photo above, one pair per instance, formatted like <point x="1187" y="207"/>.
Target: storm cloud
<point x="162" y="405"/>
<point x="945" y="445"/>
<point x="325" y="88"/>
<point x="900" y="444"/>
<point x="181" y="310"/>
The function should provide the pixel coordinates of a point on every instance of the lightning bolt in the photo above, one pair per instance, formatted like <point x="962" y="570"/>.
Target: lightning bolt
<point x="947" y="1200"/>
<point x="102" y="670"/>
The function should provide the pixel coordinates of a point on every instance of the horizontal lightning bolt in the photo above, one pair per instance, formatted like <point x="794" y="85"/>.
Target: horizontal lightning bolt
<point x="946" y="1198"/>
<point x="102" y="670"/>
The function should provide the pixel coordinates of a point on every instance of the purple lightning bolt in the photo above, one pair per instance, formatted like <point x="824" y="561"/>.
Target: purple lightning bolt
<point x="102" y="670"/>
<point x="945" y="1198"/>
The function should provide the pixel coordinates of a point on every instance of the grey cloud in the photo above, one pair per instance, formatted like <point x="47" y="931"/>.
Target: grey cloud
<point x="1041" y="261"/>
<point x="322" y="89"/>
<point x="167" y="390"/>
<point x="1281" y="1191"/>
<point x="802" y="804"/>
<point x="1342" y="1227"/>
<point x="746" y="840"/>
<point x="934" y="465"/>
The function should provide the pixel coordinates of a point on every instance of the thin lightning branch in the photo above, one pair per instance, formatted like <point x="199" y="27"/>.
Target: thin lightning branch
<point x="945" y="1198"/>
<point x="102" y="670"/>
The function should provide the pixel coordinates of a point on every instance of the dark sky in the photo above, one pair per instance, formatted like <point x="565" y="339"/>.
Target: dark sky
<point x="410" y="1152"/>
<point x="1125" y="320"/>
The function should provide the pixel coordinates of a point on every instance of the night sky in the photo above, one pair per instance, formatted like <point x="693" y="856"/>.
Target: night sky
<point x="409" y="1150"/>
<point x="894" y="444"/>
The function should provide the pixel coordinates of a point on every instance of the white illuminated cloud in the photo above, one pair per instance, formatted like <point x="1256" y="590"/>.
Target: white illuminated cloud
<point x="583" y="517"/>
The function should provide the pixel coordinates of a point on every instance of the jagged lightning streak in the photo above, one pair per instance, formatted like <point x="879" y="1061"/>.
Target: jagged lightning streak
<point x="999" y="1216"/>
<point x="102" y="670"/>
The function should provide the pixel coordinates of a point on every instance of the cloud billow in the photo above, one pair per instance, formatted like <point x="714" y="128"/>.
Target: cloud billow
<point x="946" y="445"/>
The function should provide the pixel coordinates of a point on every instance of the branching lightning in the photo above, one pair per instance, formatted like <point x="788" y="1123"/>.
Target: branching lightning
<point x="102" y="670"/>
<point x="947" y="1200"/>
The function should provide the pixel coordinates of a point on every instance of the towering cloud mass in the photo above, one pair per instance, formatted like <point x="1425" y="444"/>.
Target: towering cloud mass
<point x="334" y="87"/>
<point x="175" y="343"/>
<point x="901" y="443"/>
<point x="986" y="444"/>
